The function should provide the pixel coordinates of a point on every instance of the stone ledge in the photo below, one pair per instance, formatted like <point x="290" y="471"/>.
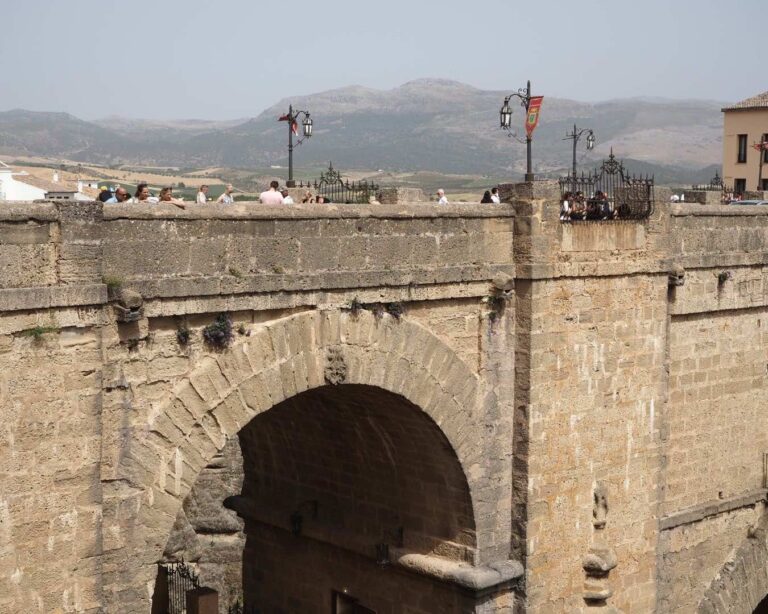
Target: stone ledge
<point x="697" y="210"/>
<point x="722" y="260"/>
<point x="592" y="268"/>
<point x="22" y="212"/>
<point x="712" y="508"/>
<point x="17" y="299"/>
<point x="257" y="211"/>
<point x="339" y="298"/>
<point x="437" y="568"/>
<point x="206" y="286"/>
<point x="461" y="574"/>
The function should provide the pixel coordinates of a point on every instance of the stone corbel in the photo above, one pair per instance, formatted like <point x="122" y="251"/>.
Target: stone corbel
<point x="676" y="276"/>
<point x="129" y="306"/>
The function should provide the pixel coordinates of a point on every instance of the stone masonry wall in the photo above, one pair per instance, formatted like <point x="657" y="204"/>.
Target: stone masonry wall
<point x="591" y="322"/>
<point x="74" y="382"/>
<point x="641" y="396"/>
<point x="207" y="534"/>
<point x="718" y="387"/>
<point x="595" y="393"/>
<point x="50" y="446"/>
<point x="715" y="437"/>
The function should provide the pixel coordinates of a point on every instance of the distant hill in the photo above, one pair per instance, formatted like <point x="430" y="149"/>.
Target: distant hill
<point x="428" y="124"/>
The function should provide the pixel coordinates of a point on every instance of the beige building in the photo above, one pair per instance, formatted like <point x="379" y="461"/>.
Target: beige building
<point x="744" y="126"/>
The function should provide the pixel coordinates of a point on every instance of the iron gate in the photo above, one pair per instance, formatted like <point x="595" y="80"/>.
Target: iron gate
<point x="335" y="189"/>
<point x="609" y="189"/>
<point x="179" y="578"/>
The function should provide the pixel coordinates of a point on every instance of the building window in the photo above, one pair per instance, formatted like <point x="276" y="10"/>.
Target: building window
<point x="764" y="187"/>
<point x="739" y="186"/>
<point x="742" y="155"/>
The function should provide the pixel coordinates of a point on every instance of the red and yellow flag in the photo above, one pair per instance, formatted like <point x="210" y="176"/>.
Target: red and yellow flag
<point x="533" y="114"/>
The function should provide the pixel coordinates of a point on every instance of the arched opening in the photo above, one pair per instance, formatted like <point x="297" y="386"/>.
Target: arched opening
<point x="762" y="607"/>
<point x="332" y="486"/>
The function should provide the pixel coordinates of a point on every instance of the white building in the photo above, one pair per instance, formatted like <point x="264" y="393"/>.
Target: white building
<point x="25" y="187"/>
<point x="11" y="188"/>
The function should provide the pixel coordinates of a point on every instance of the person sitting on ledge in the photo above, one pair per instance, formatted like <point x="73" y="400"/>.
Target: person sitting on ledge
<point x="593" y="210"/>
<point x="578" y="207"/>
<point x="565" y="206"/>
<point x="486" y="198"/>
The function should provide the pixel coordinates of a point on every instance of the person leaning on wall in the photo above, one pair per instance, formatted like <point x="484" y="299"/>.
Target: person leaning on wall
<point x="166" y="196"/>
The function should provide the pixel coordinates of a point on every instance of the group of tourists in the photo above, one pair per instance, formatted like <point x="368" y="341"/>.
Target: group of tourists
<point x="143" y="195"/>
<point x="575" y="206"/>
<point x="273" y="195"/>
<point x="489" y="196"/>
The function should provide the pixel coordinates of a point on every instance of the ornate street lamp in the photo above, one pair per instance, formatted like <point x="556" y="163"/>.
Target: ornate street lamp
<point x="505" y="120"/>
<point x="293" y="128"/>
<point x="575" y="136"/>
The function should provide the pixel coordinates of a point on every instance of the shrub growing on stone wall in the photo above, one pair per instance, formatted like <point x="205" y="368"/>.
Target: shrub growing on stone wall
<point x="219" y="334"/>
<point x="182" y="336"/>
<point x="38" y="331"/>
<point x="355" y="306"/>
<point x="396" y="310"/>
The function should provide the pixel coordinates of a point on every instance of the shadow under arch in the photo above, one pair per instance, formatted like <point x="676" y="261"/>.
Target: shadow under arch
<point x="332" y="480"/>
<point x="741" y="585"/>
<point x="278" y="361"/>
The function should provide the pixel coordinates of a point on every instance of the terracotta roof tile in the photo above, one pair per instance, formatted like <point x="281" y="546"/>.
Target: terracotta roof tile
<point x="756" y="102"/>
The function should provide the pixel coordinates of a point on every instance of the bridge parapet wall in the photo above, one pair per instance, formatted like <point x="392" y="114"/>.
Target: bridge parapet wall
<point x="717" y="388"/>
<point x="585" y="341"/>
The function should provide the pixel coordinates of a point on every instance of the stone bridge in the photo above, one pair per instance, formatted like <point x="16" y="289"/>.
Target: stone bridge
<point x="406" y="408"/>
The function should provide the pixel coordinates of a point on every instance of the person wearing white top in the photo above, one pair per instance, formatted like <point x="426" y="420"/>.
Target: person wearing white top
<point x="441" y="199"/>
<point x="202" y="197"/>
<point x="226" y="197"/>
<point x="287" y="198"/>
<point x="143" y="195"/>
<point x="495" y="196"/>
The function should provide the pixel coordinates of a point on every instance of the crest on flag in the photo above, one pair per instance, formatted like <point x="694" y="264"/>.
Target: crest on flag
<point x="533" y="114"/>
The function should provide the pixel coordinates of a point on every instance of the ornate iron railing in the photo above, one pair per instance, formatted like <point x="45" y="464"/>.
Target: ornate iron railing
<point x="334" y="189"/>
<point x="179" y="578"/>
<point x="716" y="184"/>
<point x="607" y="193"/>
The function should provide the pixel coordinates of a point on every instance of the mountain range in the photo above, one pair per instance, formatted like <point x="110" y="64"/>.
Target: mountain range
<point x="427" y="124"/>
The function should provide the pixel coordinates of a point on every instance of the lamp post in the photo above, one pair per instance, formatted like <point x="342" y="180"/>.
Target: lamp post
<point x="505" y="119"/>
<point x="306" y="125"/>
<point x="575" y="136"/>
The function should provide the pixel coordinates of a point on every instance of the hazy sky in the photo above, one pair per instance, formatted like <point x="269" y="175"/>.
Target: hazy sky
<point x="233" y="58"/>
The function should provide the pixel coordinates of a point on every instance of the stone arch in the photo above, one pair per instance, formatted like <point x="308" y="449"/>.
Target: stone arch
<point x="741" y="585"/>
<point x="278" y="361"/>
